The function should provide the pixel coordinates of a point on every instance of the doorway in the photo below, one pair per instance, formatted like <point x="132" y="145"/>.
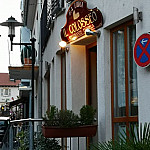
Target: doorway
<point x="92" y="75"/>
<point x="91" y="68"/>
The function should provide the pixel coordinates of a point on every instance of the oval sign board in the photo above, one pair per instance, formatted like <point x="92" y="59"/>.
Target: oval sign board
<point x="78" y="19"/>
<point x="142" y="50"/>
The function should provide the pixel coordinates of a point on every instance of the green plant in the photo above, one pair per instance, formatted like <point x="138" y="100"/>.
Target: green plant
<point x="26" y="53"/>
<point x="110" y="145"/>
<point x="40" y="142"/>
<point x="50" y="117"/>
<point x="61" y="118"/>
<point x="23" y="139"/>
<point x="139" y="139"/>
<point x="87" y="114"/>
<point x="46" y="143"/>
<point x="67" y="118"/>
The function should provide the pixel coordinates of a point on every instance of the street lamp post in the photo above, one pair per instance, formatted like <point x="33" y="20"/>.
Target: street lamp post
<point x="11" y="23"/>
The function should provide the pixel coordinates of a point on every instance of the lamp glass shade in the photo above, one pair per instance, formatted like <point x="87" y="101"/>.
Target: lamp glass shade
<point x="11" y="31"/>
<point x="11" y="23"/>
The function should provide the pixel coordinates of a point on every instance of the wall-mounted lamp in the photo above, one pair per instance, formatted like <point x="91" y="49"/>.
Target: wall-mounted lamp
<point x="90" y="32"/>
<point x="62" y="44"/>
<point x="136" y="15"/>
<point x="11" y="23"/>
<point x="63" y="49"/>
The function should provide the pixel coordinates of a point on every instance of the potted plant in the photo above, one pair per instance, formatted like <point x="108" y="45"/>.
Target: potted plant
<point x="26" y="54"/>
<point x="65" y="123"/>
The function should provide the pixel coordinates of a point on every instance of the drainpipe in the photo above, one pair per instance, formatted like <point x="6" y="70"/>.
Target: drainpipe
<point x="40" y="64"/>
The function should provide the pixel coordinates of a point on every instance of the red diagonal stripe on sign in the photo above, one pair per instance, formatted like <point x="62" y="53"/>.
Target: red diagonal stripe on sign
<point x="144" y="50"/>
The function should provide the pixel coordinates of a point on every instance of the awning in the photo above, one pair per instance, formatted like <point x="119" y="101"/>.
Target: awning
<point x="16" y="102"/>
<point x="23" y="72"/>
<point x="85" y="40"/>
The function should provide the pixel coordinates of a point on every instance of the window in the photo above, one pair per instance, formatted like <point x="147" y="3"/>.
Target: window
<point x="5" y="92"/>
<point x="25" y="83"/>
<point x="9" y="92"/>
<point x="124" y="78"/>
<point x="56" y="6"/>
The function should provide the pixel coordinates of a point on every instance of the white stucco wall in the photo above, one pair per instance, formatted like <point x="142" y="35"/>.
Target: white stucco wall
<point x="14" y="94"/>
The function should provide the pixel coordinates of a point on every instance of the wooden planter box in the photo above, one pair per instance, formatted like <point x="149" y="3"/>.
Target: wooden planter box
<point x="82" y="131"/>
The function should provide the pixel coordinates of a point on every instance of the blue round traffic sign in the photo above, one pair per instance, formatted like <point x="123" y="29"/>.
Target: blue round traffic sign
<point x="142" y="50"/>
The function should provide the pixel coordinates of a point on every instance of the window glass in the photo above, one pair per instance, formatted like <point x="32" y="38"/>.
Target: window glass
<point x="124" y="79"/>
<point x="9" y="92"/>
<point x="132" y="67"/>
<point x="6" y="92"/>
<point x="133" y="126"/>
<point x="119" y="129"/>
<point x="1" y="92"/>
<point x="2" y="123"/>
<point x="119" y="73"/>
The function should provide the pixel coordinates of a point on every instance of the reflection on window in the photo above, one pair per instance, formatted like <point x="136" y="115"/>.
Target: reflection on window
<point x="119" y="73"/>
<point x="2" y="123"/>
<point x="134" y="127"/>
<point x="120" y="130"/>
<point x="124" y="81"/>
<point x="133" y="93"/>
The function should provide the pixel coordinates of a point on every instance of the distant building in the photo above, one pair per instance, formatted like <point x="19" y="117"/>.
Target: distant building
<point x="9" y="90"/>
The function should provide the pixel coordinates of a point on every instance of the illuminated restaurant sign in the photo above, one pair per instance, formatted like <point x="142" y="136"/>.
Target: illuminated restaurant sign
<point x="79" y="18"/>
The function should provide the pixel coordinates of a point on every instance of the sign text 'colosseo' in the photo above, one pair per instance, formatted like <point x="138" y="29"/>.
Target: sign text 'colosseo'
<point x="79" y="18"/>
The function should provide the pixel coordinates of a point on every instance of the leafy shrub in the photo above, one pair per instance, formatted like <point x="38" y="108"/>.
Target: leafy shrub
<point x="50" y="117"/>
<point x="87" y="114"/>
<point x="40" y="142"/>
<point x="23" y="140"/>
<point x="46" y="143"/>
<point x="67" y="119"/>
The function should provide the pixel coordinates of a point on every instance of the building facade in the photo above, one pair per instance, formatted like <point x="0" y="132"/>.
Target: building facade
<point x="94" y="70"/>
<point x="9" y="91"/>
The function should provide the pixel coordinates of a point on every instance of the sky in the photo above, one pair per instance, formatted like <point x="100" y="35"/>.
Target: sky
<point x="9" y="8"/>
